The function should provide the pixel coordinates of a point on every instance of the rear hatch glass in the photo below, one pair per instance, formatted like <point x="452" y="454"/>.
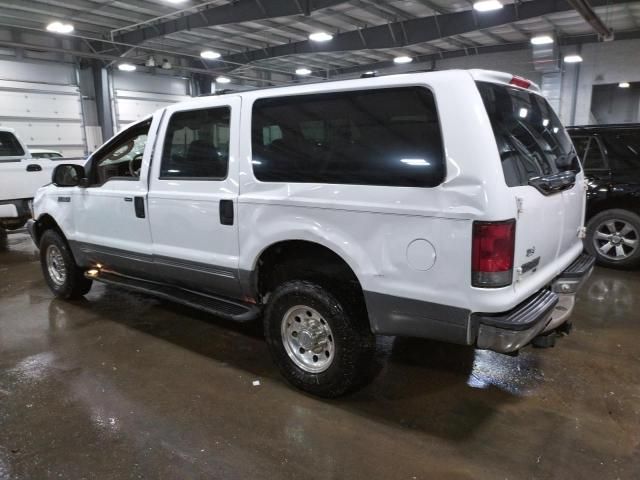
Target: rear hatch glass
<point x="532" y="143"/>
<point x="531" y="140"/>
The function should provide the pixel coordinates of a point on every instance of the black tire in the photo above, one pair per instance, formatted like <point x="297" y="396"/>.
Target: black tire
<point x="352" y="341"/>
<point x="74" y="284"/>
<point x="618" y="217"/>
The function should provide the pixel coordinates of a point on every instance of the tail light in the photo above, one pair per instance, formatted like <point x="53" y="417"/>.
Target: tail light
<point x="492" y="253"/>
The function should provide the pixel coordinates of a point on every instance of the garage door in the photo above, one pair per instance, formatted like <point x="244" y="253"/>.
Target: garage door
<point x="132" y="106"/>
<point x="44" y="115"/>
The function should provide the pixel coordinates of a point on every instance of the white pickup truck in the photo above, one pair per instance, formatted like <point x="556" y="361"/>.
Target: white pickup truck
<point x="445" y="205"/>
<point x="20" y="176"/>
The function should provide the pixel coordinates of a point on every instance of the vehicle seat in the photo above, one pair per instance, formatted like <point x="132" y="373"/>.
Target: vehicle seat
<point x="203" y="160"/>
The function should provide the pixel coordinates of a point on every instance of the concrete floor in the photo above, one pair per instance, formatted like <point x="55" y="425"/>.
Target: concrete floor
<point x="123" y="386"/>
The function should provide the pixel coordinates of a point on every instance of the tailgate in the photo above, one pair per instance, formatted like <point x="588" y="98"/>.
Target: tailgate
<point x="543" y="174"/>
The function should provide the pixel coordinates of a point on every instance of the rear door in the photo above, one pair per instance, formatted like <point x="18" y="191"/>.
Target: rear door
<point x="534" y="145"/>
<point x="193" y="196"/>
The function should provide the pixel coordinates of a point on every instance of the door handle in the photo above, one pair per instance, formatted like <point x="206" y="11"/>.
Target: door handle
<point x="34" y="167"/>
<point x="226" y="212"/>
<point x="138" y="205"/>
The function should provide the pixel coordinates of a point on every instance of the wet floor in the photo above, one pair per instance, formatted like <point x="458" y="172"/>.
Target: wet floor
<point x="123" y="386"/>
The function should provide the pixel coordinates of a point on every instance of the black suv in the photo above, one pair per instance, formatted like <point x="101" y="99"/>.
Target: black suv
<point x="610" y="156"/>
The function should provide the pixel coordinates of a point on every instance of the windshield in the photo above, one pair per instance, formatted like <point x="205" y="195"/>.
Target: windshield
<point x="531" y="140"/>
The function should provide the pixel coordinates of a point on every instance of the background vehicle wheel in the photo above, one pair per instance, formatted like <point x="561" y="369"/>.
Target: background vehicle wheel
<point x="317" y="345"/>
<point x="613" y="237"/>
<point x="64" y="278"/>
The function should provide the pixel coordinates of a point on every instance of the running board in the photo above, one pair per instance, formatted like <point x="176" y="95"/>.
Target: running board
<point x="229" y="309"/>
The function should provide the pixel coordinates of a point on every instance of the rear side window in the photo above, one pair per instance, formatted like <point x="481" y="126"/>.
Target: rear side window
<point x="531" y="140"/>
<point x="9" y="145"/>
<point x="373" y="137"/>
<point x="196" y="145"/>
<point x="588" y="151"/>
<point x="623" y="150"/>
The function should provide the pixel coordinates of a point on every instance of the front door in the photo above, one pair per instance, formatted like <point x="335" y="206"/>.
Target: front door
<point x="192" y="197"/>
<point x="111" y="217"/>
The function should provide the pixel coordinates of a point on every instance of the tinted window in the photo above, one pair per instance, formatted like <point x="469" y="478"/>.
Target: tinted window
<point x="9" y="145"/>
<point x="589" y="153"/>
<point x="121" y="158"/>
<point x="623" y="150"/>
<point x="372" y="137"/>
<point x="531" y="140"/>
<point x="197" y="144"/>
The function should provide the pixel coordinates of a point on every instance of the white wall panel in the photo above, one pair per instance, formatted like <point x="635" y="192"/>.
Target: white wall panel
<point x="43" y="104"/>
<point x="44" y="134"/>
<point x="132" y="106"/>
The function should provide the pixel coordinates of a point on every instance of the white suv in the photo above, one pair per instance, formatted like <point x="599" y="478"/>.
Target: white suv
<point x="445" y="205"/>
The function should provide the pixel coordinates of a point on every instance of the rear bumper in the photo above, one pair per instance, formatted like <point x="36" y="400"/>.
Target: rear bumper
<point x="546" y="310"/>
<point x="14" y="213"/>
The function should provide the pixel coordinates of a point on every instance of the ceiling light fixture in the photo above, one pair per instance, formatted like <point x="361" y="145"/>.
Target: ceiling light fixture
<point x="403" y="59"/>
<point x="572" y="59"/>
<point x="542" y="40"/>
<point x="487" y="5"/>
<point x="210" y="54"/>
<point x="320" y="37"/>
<point x="59" y="27"/>
<point x="223" y="80"/>
<point x="176" y="1"/>
<point x="126" y="67"/>
<point x="303" y="71"/>
<point x="624" y="85"/>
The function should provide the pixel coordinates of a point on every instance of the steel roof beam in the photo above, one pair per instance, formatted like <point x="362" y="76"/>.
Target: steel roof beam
<point x="584" y="8"/>
<point x="232" y="12"/>
<point x="419" y="30"/>
<point x="509" y="47"/>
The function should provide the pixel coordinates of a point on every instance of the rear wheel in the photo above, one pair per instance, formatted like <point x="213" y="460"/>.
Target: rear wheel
<point x="64" y="278"/>
<point x="613" y="237"/>
<point x="318" y="346"/>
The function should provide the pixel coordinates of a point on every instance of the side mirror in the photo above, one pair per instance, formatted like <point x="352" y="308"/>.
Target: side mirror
<point x="69" y="175"/>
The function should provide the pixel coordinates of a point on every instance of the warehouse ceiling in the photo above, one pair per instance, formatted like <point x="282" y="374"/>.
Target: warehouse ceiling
<point x="262" y="38"/>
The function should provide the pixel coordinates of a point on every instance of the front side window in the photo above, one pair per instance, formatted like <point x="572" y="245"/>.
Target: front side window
<point x="623" y="150"/>
<point x="387" y="137"/>
<point x="122" y="159"/>
<point x="530" y="138"/>
<point x="9" y="145"/>
<point x="197" y="145"/>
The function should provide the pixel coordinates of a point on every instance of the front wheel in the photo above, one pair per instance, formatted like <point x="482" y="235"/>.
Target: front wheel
<point x="64" y="278"/>
<point x="613" y="237"/>
<point x="317" y="345"/>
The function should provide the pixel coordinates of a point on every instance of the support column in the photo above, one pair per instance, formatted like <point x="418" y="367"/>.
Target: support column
<point x="201" y="84"/>
<point x="103" y="100"/>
